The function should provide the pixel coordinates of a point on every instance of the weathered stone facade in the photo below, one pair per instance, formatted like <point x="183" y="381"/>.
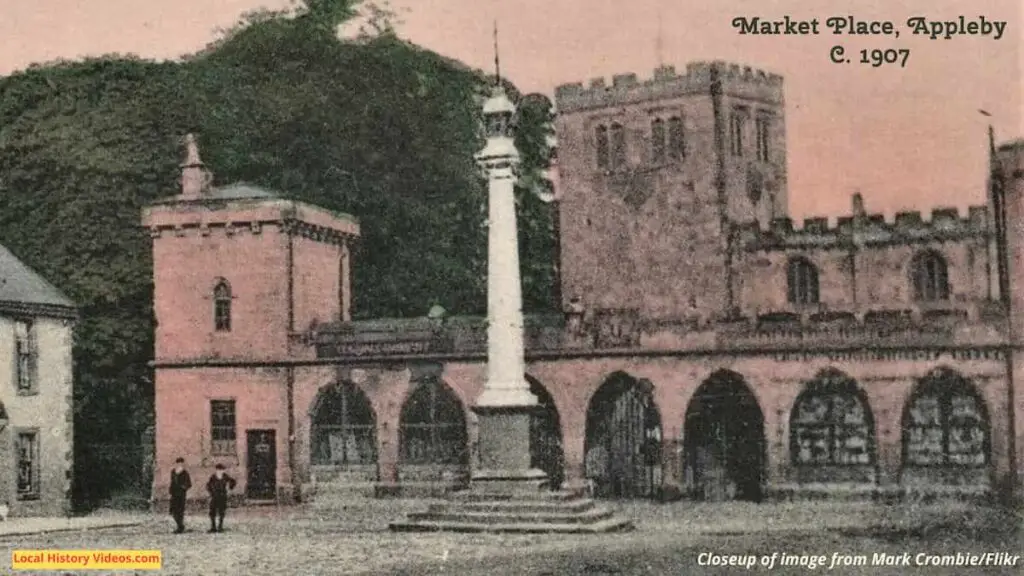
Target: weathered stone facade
<point x="36" y="392"/>
<point x="709" y="348"/>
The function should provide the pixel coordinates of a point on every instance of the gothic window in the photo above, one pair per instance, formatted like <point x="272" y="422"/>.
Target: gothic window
<point x="618" y="146"/>
<point x="27" y="357"/>
<point x="676" y="138"/>
<point x="601" y="143"/>
<point x="831" y="423"/>
<point x="222" y="307"/>
<point x="223" y="435"/>
<point x="930" y="276"/>
<point x="802" y="279"/>
<point x="343" y="427"/>
<point x="28" y="465"/>
<point x="737" y="125"/>
<point x="945" y="423"/>
<point x="763" y="138"/>
<point x="658" y="140"/>
<point x="433" y="426"/>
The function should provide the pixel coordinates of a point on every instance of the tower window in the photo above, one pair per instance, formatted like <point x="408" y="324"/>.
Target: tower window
<point x="676" y="138"/>
<point x="658" y="140"/>
<point x="222" y="307"/>
<point x="618" y="146"/>
<point x="930" y="276"/>
<point x="601" y="143"/>
<point x="763" y="138"/>
<point x="737" y="125"/>
<point x="802" y="278"/>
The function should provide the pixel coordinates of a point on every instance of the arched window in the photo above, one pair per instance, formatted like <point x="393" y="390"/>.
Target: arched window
<point x="658" y="140"/>
<point x="343" y="429"/>
<point x="831" y="423"/>
<point x="802" y="279"/>
<point x="222" y="307"/>
<point x="618" y="146"/>
<point x="676" y="138"/>
<point x="601" y="144"/>
<point x="930" y="277"/>
<point x="433" y="426"/>
<point x="945" y="423"/>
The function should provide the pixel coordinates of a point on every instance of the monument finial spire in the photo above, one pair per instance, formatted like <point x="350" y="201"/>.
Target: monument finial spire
<point x="659" y="40"/>
<point x="497" y="62"/>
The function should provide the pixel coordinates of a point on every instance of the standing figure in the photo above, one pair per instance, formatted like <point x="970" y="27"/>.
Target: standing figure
<point x="181" y="482"/>
<point x="218" y="486"/>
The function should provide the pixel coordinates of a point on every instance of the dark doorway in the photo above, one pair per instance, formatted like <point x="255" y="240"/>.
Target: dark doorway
<point x="546" y="437"/>
<point x="261" y="465"/>
<point x="623" y="439"/>
<point x="724" y="453"/>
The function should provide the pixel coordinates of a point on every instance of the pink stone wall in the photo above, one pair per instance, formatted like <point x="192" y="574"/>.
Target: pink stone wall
<point x="317" y="282"/>
<point x="185" y="270"/>
<point x="183" y="421"/>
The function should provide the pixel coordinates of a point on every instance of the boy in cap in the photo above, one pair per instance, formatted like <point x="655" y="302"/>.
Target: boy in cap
<point x="218" y="486"/>
<point x="181" y="482"/>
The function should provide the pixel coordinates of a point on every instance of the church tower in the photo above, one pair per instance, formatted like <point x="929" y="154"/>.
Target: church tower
<point x="654" y="176"/>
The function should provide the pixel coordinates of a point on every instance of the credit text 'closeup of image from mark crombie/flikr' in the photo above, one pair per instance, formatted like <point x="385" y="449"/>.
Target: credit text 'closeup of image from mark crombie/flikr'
<point x="543" y="287"/>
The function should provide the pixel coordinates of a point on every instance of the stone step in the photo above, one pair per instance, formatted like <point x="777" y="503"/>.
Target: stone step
<point x="600" y="527"/>
<point x="540" y="495"/>
<point x="458" y="516"/>
<point x="517" y="506"/>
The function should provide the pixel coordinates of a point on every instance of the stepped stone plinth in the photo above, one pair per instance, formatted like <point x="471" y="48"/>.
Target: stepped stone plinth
<point x="545" y="511"/>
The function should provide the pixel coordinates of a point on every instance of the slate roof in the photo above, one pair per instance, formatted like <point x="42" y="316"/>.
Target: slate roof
<point x="239" y="191"/>
<point x="20" y="285"/>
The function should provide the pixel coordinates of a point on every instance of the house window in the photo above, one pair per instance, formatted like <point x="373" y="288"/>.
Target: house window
<point x="222" y="307"/>
<point x="27" y="357"/>
<point x="432" y="426"/>
<point x="618" y="146"/>
<point x="945" y="423"/>
<point x="737" y="125"/>
<point x="601" y="143"/>
<point x="658" y="140"/>
<point x="28" y="465"/>
<point x="930" y="277"/>
<point x="763" y="138"/>
<point x="676" y="138"/>
<point x="802" y="277"/>
<point x="343" y="427"/>
<point x="831" y="423"/>
<point x="222" y="428"/>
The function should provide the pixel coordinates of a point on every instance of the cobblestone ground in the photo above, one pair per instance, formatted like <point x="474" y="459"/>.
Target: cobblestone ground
<point x="352" y="538"/>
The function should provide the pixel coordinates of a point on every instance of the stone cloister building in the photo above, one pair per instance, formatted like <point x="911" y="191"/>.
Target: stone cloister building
<point x="710" y="348"/>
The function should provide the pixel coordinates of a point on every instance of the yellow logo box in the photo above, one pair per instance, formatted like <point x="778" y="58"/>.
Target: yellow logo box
<point x="86" y="560"/>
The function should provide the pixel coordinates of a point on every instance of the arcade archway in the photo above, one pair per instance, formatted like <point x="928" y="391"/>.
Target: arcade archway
<point x="546" y="451"/>
<point x="724" y="443"/>
<point x="623" y="439"/>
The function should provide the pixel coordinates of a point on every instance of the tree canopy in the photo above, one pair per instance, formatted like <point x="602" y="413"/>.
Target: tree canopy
<point x="374" y="127"/>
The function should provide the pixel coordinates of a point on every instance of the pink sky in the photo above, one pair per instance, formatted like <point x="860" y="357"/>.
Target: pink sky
<point x="907" y="138"/>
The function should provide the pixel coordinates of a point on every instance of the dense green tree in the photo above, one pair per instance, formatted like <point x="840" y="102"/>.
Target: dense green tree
<point x="375" y="127"/>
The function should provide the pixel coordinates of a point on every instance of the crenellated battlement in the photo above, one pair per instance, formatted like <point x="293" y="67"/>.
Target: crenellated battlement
<point x="735" y="80"/>
<point x="907" y="227"/>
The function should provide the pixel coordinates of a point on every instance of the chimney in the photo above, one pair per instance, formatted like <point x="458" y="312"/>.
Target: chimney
<point x="193" y="176"/>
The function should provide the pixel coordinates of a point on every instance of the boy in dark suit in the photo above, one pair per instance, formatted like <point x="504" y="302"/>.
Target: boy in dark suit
<point x="181" y="482"/>
<point x="218" y="486"/>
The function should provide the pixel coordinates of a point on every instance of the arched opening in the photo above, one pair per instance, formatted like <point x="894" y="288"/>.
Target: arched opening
<point x="623" y="439"/>
<point x="343" y="428"/>
<point x="946" y="433"/>
<point x="546" y="451"/>
<point x="432" y="427"/>
<point x="832" y="432"/>
<point x="724" y="444"/>
<point x="930" y="277"/>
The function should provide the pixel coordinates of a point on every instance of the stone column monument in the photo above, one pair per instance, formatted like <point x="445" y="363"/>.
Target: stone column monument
<point x="506" y="494"/>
